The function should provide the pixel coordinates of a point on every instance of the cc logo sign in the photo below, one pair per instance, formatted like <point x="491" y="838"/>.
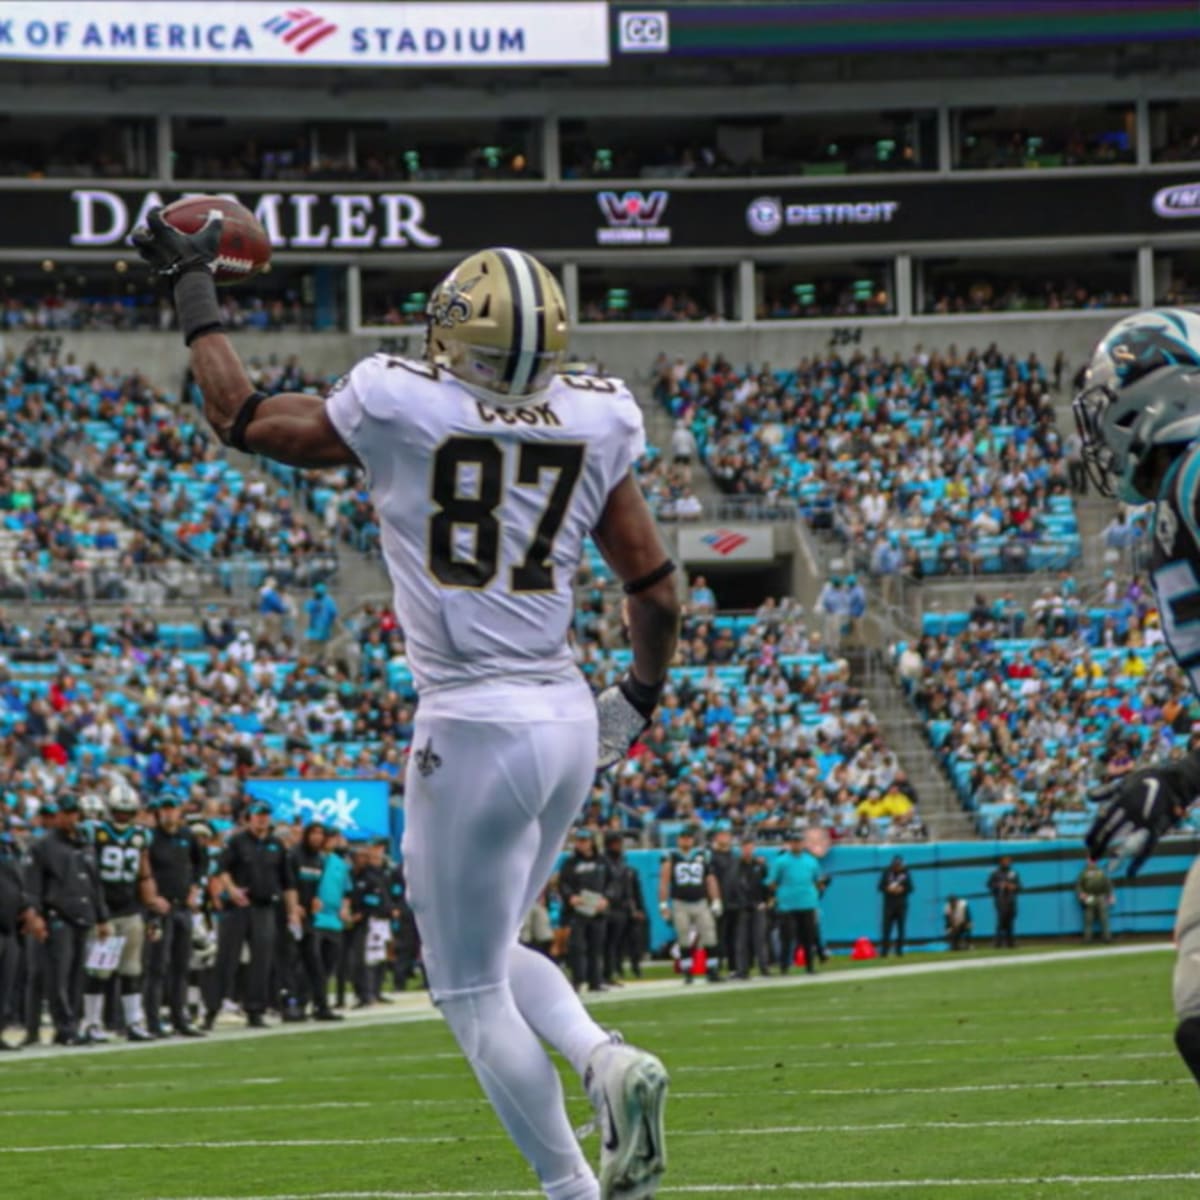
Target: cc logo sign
<point x="644" y="32"/>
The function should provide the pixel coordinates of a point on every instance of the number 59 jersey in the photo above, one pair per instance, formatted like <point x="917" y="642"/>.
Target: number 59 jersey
<point x="483" y="511"/>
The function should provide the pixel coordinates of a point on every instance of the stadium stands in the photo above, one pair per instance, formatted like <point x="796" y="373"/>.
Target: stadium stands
<point x="953" y="459"/>
<point x="1030" y="711"/>
<point x="136" y="485"/>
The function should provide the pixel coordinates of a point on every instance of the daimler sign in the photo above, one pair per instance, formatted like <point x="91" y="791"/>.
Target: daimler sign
<point x="367" y="220"/>
<point x="293" y="220"/>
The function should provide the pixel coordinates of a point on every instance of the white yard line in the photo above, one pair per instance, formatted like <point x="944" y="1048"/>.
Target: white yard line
<point x="795" y="1187"/>
<point x="439" y="1139"/>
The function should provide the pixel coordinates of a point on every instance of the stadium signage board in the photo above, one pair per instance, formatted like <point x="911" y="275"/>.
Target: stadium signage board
<point x="749" y="29"/>
<point x="356" y="807"/>
<point x="221" y="32"/>
<point x="726" y="544"/>
<point x="362" y="220"/>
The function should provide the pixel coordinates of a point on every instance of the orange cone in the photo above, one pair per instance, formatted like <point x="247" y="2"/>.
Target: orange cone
<point x="863" y="948"/>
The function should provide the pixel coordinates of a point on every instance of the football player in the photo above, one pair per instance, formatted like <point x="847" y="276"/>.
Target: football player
<point x="1139" y="418"/>
<point x="690" y="898"/>
<point x="488" y="469"/>
<point x="122" y="857"/>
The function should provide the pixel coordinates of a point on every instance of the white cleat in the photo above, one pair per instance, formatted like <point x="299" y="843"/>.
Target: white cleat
<point x="628" y="1089"/>
<point x="94" y="1035"/>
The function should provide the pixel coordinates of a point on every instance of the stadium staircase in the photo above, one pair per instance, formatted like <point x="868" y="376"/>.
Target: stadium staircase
<point x="904" y="733"/>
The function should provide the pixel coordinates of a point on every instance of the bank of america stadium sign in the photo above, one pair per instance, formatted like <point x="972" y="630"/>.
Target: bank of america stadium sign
<point x="333" y="34"/>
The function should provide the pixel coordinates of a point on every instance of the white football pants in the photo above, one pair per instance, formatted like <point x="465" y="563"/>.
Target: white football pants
<point x="497" y="775"/>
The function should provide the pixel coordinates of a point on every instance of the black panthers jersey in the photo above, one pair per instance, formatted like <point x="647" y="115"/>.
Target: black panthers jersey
<point x="1175" y="563"/>
<point x="688" y="872"/>
<point x="119" y="851"/>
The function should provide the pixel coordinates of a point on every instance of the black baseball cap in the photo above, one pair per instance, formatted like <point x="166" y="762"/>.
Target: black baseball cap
<point x="68" y="803"/>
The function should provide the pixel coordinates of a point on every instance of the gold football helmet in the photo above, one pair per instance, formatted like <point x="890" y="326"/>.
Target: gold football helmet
<point x="498" y="324"/>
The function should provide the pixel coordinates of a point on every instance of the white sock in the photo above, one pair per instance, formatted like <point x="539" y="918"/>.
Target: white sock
<point x="193" y="995"/>
<point x="93" y="1010"/>
<point x="548" y="1002"/>
<point x="132" y="1004"/>
<point x="523" y="1086"/>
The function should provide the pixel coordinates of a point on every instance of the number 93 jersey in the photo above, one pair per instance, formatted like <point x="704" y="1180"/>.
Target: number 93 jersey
<point x="483" y="511"/>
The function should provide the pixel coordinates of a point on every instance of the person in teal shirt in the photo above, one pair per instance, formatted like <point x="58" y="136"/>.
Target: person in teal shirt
<point x="332" y="908"/>
<point x="794" y="877"/>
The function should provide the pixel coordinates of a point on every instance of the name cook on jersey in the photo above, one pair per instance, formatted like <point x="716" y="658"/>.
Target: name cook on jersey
<point x="292" y="220"/>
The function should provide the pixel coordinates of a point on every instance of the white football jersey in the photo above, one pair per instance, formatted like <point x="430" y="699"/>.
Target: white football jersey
<point x="483" y="511"/>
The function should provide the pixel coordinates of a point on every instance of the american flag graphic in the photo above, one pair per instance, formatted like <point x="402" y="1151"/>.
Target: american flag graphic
<point x="724" y="541"/>
<point x="300" y="28"/>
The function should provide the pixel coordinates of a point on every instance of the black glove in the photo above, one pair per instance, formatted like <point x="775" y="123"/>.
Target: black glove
<point x="186" y="260"/>
<point x="170" y="253"/>
<point x="1140" y="807"/>
<point x="625" y="710"/>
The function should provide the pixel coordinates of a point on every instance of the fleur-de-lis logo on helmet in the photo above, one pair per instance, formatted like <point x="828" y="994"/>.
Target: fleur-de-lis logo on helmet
<point x="451" y="304"/>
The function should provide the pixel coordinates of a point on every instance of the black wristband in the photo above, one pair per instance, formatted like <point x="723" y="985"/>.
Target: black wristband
<point x="237" y="435"/>
<point x="643" y="696"/>
<point x="640" y="585"/>
<point x="196" y="304"/>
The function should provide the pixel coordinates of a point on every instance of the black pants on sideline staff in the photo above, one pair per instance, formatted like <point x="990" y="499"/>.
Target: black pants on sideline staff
<point x="1006" y="920"/>
<point x="167" y="960"/>
<point x="255" y="924"/>
<point x="35" y="985"/>
<point x="330" y="945"/>
<point x="66" y="953"/>
<point x="798" y="928"/>
<point x="750" y="941"/>
<point x="10" y="962"/>
<point x="310" y="977"/>
<point x="616" y="937"/>
<point x="894" y="916"/>
<point x="586" y="950"/>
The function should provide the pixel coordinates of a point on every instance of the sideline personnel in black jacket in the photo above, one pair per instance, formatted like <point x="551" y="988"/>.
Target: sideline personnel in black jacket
<point x="177" y="864"/>
<point x="256" y="876"/>
<point x="583" y="882"/>
<point x="16" y="913"/>
<point x="895" y="886"/>
<point x="64" y="887"/>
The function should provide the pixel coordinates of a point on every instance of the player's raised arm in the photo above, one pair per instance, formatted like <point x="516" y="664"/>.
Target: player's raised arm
<point x="629" y="541"/>
<point x="291" y="428"/>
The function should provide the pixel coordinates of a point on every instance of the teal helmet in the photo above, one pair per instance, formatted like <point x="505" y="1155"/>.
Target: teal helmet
<point x="1141" y="391"/>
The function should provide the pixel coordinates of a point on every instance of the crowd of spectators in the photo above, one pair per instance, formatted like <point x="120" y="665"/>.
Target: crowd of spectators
<point x="942" y="462"/>
<point x="440" y="163"/>
<point x="830" y="298"/>
<point x="1022" y="148"/>
<point x="124" y="484"/>
<point x="985" y="294"/>
<point x="57" y="312"/>
<point x="704" y="160"/>
<point x="760" y="726"/>
<point x="668" y="305"/>
<point x="1031" y="710"/>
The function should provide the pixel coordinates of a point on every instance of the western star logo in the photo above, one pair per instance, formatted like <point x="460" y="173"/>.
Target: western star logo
<point x="300" y="28"/>
<point x="724" y="541"/>
<point x="632" y="219"/>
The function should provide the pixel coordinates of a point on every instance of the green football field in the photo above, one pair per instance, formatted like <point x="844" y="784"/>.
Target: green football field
<point x="1034" y="1076"/>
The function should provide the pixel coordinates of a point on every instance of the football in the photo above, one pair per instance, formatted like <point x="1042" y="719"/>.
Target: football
<point x="245" y="249"/>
